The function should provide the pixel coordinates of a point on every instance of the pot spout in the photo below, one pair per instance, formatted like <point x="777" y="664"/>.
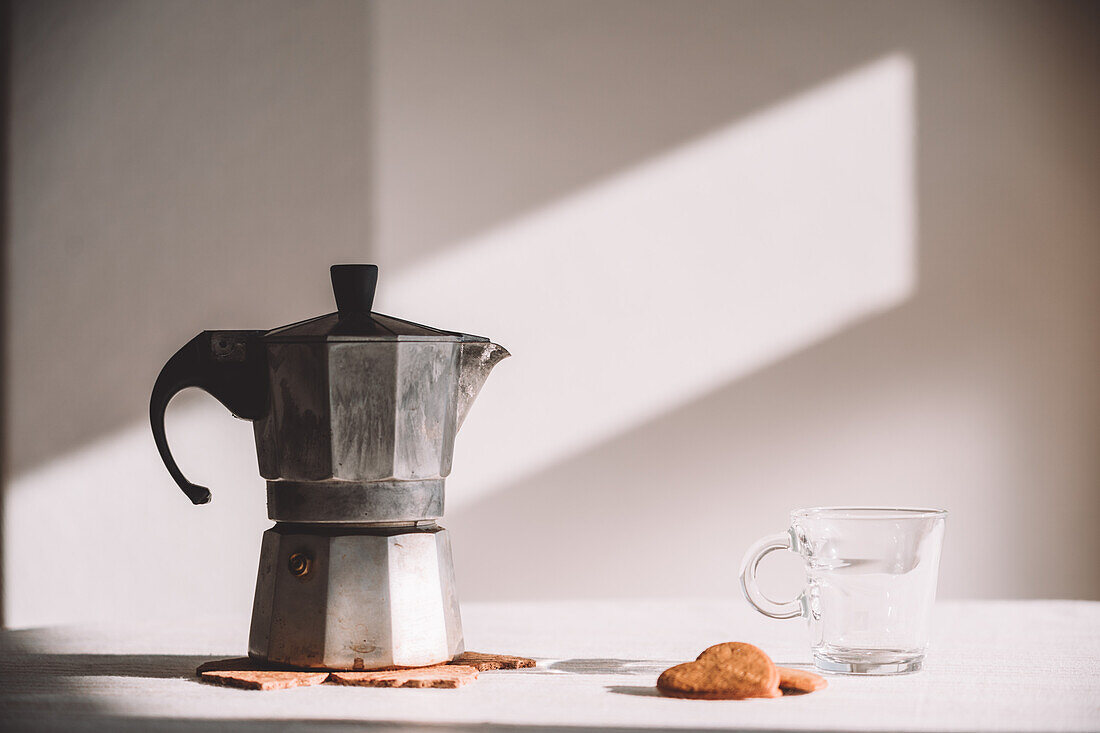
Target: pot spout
<point x="475" y="361"/>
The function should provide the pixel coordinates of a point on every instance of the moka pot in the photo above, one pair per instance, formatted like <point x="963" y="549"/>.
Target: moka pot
<point x="355" y="415"/>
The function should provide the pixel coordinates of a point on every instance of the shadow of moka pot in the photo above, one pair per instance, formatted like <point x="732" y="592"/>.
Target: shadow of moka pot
<point x="355" y="415"/>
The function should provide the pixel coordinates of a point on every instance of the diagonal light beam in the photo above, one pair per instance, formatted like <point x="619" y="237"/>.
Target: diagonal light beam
<point x="671" y="279"/>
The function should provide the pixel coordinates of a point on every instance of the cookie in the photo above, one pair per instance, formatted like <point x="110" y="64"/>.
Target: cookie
<point x="730" y="671"/>
<point x="484" y="662"/>
<point x="263" y="679"/>
<point x="799" y="681"/>
<point x="445" y="676"/>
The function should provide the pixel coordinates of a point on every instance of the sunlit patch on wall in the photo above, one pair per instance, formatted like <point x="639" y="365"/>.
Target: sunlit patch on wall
<point x="673" y="278"/>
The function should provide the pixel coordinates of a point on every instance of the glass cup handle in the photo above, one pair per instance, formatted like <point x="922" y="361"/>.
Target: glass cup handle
<point x="753" y="594"/>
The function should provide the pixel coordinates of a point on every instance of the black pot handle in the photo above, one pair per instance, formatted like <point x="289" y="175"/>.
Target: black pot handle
<point x="231" y="366"/>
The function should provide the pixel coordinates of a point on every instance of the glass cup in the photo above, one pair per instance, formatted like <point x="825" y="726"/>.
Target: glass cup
<point x="871" y="581"/>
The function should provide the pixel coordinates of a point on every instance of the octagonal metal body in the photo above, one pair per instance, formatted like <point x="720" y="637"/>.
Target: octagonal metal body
<point x="361" y="411"/>
<point x="355" y="598"/>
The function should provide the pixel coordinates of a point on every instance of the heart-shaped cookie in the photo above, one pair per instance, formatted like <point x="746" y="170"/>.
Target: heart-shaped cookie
<point x="730" y="671"/>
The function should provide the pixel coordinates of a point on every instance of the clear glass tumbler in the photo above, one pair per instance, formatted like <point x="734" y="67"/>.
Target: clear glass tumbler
<point x="871" y="582"/>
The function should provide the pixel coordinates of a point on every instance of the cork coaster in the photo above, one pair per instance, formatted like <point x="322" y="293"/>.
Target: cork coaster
<point x="800" y="681"/>
<point x="484" y="662"/>
<point x="443" y="676"/>
<point x="263" y="679"/>
<point x="249" y="674"/>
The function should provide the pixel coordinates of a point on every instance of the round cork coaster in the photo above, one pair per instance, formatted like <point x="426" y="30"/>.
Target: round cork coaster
<point x="485" y="662"/>
<point x="442" y="676"/>
<point x="263" y="679"/>
<point x="249" y="674"/>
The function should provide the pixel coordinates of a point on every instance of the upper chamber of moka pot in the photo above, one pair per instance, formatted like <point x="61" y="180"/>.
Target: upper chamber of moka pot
<point x="355" y="412"/>
<point x="362" y="398"/>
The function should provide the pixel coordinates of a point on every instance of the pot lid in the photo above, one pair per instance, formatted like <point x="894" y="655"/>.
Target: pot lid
<point x="353" y="286"/>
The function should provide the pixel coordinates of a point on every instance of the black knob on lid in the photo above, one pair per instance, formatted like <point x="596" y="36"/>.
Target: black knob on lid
<point x="353" y="286"/>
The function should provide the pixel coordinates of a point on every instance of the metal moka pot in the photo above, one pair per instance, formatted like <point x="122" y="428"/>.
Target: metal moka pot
<point x="355" y="415"/>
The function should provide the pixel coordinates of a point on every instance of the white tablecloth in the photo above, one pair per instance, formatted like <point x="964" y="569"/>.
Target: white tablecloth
<point x="1007" y="665"/>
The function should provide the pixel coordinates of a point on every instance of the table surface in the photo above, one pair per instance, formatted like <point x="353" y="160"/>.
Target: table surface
<point x="1001" y="665"/>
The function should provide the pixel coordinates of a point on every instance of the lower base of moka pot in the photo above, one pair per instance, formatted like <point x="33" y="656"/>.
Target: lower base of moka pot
<point x="339" y="596"/>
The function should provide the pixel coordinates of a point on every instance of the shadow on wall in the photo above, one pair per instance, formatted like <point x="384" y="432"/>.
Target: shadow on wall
<point x="5" y="215"/>
<point x="176" y="167"/>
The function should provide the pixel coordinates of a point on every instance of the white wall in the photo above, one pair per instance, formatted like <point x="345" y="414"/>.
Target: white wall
<point x="501" y="126"/>
<point x="902" y="195"/>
